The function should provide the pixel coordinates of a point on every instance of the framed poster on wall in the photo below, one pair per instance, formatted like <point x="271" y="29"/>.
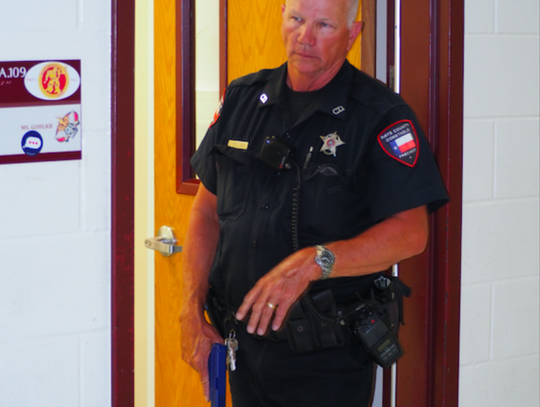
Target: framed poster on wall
<point x="40" y="111"/>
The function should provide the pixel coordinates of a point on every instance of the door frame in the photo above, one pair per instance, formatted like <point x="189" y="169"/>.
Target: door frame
<point x="436" y="94"/>
<point x="122" y="202"/>
<point x="431" y="81"/>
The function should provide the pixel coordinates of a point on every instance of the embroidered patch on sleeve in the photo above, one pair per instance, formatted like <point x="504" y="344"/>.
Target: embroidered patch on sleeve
<point x="218" y="111"/>
<point x="400" y="142"/>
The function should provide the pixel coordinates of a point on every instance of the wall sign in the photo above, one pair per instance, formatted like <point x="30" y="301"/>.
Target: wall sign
<point x="40" y="111"/>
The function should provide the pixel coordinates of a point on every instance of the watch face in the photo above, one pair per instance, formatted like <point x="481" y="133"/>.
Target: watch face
<point x="325" y="258"/>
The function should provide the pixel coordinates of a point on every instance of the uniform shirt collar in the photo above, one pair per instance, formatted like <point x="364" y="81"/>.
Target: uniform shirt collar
<point x="274" y="92"/>
<point x="334" y="97"/>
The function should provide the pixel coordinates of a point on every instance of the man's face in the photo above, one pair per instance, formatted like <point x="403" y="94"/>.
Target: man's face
<point x="316" y="34"/>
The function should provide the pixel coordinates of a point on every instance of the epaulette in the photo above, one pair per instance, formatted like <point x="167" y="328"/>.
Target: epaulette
<point x="250" y="79"/>
<point x="373" y="93"/>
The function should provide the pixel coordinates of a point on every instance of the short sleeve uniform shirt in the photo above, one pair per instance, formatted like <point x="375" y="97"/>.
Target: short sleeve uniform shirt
<point x="358" y="158"/>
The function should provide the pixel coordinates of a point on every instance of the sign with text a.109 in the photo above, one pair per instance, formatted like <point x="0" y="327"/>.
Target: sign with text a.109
<point x="40" y="111"/>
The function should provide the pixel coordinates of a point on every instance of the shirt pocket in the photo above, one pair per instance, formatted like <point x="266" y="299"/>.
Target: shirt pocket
<point x="322" y="201"/>
<point x="234" y="179"/>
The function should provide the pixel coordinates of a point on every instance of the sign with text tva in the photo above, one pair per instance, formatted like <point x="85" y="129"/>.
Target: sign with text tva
<point x="40" y="111"/>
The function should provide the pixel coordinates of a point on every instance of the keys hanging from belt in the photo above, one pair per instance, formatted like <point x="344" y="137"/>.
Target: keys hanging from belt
<point x="232" y="345"/>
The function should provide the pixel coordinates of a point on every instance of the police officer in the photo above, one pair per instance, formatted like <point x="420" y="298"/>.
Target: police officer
<point x="349" y="199"/>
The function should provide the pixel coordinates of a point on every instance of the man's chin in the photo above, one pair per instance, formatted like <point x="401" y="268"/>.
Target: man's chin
<point x="305" y="65"/>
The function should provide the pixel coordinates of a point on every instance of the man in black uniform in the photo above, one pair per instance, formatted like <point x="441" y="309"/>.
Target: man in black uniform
<point x="345" y="197"/>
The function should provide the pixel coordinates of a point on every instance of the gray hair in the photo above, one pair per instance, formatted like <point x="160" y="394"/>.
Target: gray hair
<point x="353" y="11"/>
<point x="351" y="14"/>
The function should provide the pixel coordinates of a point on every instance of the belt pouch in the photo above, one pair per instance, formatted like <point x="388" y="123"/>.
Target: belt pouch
<point x="390" y="300"/>
<point x="298" y="329"/>
<point x="329" y="334"/>
<point x="306" y="332"/>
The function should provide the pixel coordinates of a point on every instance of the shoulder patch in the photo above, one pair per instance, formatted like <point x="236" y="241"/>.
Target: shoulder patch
<point x="218" y="111"/>
<point x="400" y="142"/>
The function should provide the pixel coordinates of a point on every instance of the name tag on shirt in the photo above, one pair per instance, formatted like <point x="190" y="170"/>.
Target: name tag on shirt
<point x="238" y="144"/>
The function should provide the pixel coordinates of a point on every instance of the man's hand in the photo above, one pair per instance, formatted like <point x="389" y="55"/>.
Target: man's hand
<point x="399" y="237"/>
<point x="198" y="336"/>
<point x="202" y="235"/>
<point x="277" y="290"/>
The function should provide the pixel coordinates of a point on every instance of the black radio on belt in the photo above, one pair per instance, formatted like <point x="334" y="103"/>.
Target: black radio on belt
<point x="276" y="153"/>
<point x="374" y="331"/>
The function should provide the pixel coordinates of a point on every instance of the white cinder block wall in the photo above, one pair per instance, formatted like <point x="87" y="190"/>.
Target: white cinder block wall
<point x="55" y="224"/>
<point x="499" y="314"/>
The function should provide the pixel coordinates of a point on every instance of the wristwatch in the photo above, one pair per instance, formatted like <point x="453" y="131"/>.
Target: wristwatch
<point x="324" y="258"/>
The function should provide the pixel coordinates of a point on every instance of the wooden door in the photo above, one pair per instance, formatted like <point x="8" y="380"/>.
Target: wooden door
<point x="254" y="46"/>
<point x="254" y="36"/>
<point x="176" y="384"/>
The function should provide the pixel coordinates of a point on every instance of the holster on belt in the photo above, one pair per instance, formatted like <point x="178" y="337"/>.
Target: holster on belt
<point x="217" y="311"/>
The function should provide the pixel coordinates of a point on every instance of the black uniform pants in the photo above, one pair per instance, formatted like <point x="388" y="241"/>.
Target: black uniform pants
<point x="271" y="374"/>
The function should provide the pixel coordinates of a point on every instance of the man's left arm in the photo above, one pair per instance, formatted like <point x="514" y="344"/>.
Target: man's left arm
<point x="397" y="238"/>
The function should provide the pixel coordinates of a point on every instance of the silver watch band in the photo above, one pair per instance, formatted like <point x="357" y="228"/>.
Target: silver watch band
<point x="325" y="259"/>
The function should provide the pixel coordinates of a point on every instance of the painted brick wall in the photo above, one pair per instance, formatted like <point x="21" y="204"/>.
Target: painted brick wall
<point x="55" y="224"/>
<point x="500" y="286"/>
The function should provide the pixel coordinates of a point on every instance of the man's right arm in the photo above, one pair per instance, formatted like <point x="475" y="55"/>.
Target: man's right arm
<point x="199" y="249"/>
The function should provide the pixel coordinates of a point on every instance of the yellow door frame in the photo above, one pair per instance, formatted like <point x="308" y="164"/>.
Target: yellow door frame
<point x="144" y="317"/>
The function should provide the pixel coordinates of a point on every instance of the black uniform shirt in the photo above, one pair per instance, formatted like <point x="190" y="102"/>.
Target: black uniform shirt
<point x="377" y="163"/>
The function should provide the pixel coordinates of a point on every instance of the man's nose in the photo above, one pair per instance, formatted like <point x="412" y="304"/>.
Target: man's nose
<point x="307" y="35"/>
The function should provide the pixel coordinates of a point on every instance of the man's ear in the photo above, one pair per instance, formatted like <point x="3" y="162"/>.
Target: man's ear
<point x="354" y="32"/>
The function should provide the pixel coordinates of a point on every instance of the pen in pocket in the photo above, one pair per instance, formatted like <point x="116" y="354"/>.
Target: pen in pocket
<point x="308" y="157"/>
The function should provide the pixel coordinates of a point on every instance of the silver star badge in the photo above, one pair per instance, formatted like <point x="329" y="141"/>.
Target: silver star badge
<point x="330" y="143"/>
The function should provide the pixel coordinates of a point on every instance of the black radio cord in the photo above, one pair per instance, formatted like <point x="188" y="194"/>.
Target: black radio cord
<point x="307" y="301"/>
<point x="295" y="218"/>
